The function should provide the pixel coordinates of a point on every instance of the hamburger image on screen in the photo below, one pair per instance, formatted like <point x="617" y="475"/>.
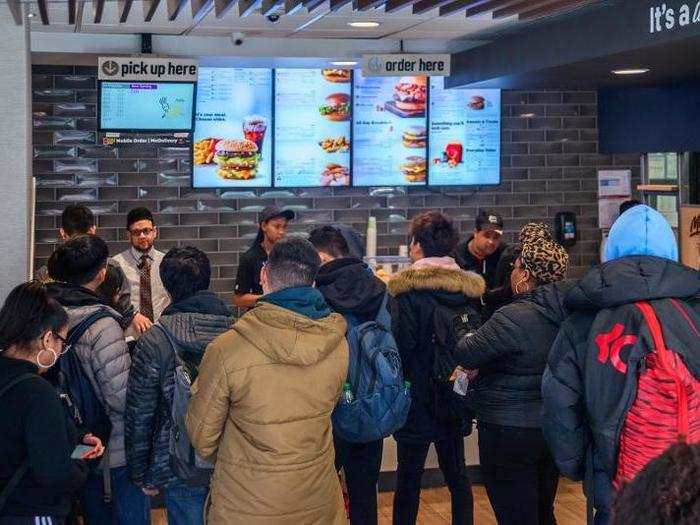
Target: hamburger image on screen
<point x="411" y="93"/>
<point x="237" y="159"/>
<point x="414" y="137"/>
<point x="336" y="75"/>
<point x="336" y="107"/>
<point x="414" y="168"/>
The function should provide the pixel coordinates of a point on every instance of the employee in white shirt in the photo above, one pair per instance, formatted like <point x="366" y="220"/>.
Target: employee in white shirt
<point x="141" y="266"/>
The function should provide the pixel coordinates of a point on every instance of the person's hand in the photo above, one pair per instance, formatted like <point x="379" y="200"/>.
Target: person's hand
<point x="141" y="323"/>
<point x="97" y="447"/>
<point x="149" y="491"/>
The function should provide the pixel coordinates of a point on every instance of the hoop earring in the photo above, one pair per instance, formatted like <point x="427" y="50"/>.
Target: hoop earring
<point x="38" y="360"/>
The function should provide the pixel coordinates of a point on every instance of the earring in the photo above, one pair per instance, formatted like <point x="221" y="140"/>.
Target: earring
<point x="38" y="358"/>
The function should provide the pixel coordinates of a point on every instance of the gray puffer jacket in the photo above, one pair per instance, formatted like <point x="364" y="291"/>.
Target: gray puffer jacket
<point x="104" y="356"/>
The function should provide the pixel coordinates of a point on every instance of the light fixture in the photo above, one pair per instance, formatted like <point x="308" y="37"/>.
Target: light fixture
<point x="528" y="115"/>
<point x="30" y="15"/>
<point x="344" y="63"/>
<point x="632" y="71"/>
<point x="364" y="25"/>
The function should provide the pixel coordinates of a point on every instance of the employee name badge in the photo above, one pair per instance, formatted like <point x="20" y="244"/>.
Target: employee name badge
<point x="461" y="382"/>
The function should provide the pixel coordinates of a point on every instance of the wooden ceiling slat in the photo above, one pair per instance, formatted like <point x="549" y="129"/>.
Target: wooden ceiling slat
<point x="458" y="5"/>
<point x="423" y="6"/>
<point x="311" y="5"/>
<point x="221" y="7"/>
<point x="16" y="9"/>
<point x="522" y="6"/>
<point x="174" y="8"/>
<point x="43" y="12"/>
<point x="200" y="9"/>
<point x="270" y="6"/>
<point x="246" y="7"/>
<point x="336" y="5"/>
<point x="292" y="6"/>
<point x="124" y="10"/>
<point x="149" y="9"/>
<point x="396" y="5"/>
<point x="554" y="8"/>
<point x="98" y="8"/>
<point x="489" y="5"/>
<point x="366" y="5"/>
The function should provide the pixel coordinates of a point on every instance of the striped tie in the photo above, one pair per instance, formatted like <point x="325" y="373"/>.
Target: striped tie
<point x="145" y="296"/>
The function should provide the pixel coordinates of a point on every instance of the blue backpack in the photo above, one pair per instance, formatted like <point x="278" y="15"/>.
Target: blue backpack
<point x="377" y="402"/>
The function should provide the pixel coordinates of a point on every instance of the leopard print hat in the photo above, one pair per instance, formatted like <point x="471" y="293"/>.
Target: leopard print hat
<point x="547" y="260"/>
<point x="535" y="231"/>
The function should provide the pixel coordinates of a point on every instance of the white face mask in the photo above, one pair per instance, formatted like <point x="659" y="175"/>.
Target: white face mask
<point x="53" y="362"/>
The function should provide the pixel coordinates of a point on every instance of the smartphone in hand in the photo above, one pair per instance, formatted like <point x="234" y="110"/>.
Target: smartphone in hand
<point x="80" y="451"/>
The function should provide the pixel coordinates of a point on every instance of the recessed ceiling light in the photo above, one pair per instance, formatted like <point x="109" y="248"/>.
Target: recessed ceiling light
<point x="634" y="71"/>
<point x="527" y="115"/>
<point x="344" y="63"/>
<point x="364" y="24"/>
<point x="30" y="15"/>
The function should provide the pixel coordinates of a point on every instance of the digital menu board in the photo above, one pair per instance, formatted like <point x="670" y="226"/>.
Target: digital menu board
<point x="389" y="131"/>
<point x="465" y="135"/>
<point x="232" y="143"/>
<point x="146" y="106"/>
<point x="312" y="127"/>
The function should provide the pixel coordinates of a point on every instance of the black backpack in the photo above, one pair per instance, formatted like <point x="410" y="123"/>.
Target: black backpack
<point x="74" y="386"/>
<point x="449" y="326"/>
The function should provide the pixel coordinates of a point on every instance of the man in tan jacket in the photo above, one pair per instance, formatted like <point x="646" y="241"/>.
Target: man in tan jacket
<point x="262" y="403"/>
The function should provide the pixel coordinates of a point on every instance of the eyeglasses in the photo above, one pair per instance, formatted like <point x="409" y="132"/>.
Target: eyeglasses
<point x="143" y="231"/>
<point x="64" y="343"/>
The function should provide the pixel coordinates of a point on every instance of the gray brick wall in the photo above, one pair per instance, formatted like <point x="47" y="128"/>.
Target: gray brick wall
<point x="549" y="164"/>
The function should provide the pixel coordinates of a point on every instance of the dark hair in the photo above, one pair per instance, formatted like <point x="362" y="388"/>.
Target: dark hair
<point x="139" y="214"/>
<point x="292" y="262"/>
<point x="79" y="260"/>
<point x="27" y="314"/>
<point x="435" y="233"/>
<point x="329" y="240"/>
<point x="665" y="491"/>
<point x="628" y="204"/>
<point x="185" y="271"/>
<point x="77" y="219"/>
<point x="114" y="280"/>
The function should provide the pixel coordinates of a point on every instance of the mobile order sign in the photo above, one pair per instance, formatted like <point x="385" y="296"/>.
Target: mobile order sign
<point x="401" y="64"/>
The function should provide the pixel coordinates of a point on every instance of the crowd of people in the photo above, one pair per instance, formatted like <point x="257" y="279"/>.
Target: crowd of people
<point x="124" y="378"/>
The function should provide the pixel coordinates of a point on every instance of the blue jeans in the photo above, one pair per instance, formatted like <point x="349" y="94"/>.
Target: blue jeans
<point x="185" y="504"/>
<point x="129" y="506"/>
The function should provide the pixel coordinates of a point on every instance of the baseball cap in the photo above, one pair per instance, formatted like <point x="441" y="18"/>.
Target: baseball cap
<point x="489" y="221"/>
<point x="272" y="212"/>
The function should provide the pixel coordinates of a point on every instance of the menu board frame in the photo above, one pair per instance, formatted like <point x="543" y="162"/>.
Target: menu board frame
<point x="151" y="130"/>
<point x="274" y="134"/>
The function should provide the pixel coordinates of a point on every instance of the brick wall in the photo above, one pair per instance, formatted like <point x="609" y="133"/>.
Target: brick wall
<point x="550" y="162"/>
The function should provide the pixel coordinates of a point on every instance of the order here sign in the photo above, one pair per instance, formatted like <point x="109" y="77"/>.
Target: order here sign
<point x="147" y="69"/>
<point x="406" y="64"/>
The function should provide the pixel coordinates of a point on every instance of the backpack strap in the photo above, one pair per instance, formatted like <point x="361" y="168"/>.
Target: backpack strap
<point x="670" y="361"/>
<point x="383" y="317"/>
<point x="75" y="333"/>
<point x="24" y="466"/>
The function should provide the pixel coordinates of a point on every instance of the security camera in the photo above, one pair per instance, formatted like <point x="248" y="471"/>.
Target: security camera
<point x="237" y="39"/>
<point x="273" y="18"/>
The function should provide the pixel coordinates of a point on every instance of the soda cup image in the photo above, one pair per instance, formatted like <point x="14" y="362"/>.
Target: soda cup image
<point x="254" y="128"/>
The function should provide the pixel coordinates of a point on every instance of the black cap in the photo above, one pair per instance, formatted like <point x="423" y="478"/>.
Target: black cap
<point x="489" y="221"/>
<point x="272" y="212"/>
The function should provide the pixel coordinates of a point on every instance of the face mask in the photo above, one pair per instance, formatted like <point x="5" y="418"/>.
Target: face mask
<point x="53" y="362"/>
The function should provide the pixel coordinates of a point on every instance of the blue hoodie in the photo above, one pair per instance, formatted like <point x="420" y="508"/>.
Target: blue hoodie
<point x="641" y="230"/>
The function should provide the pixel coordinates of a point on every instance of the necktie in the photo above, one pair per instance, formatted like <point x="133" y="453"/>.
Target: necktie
<point x="145" y="298"/>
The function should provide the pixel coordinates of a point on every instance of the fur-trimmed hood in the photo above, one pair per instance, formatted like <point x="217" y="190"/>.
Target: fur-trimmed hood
<point x="469" y="284"/>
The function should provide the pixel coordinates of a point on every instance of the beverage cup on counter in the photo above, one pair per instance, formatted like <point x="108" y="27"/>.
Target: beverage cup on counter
<point x="254" y="128"/>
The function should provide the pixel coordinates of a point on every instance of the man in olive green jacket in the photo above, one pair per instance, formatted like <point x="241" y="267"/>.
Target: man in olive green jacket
<point x="261" y="406"/>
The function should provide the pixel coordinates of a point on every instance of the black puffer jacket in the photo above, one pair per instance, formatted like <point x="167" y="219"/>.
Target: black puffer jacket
<point x="194" y="322"/>
<point x="33" y="426"/>
<point x="415" y="293"/>
<point x="584" y="398"/>
<point x="350" y="288"/>
<point x="510" y="351"/>
<point x="487" y="268"/>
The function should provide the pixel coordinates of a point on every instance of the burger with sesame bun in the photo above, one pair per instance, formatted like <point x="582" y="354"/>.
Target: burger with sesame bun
<point x="411" y="93"/>
<point x="237" y="159"/>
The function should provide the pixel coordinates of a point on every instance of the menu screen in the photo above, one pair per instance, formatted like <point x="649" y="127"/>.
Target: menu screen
<point x="232" y="142"/>
<point x="312" y="127"/>
<point x="389" y="131"/>
<point x="465" y="135"/>
<point x="146" y="106"/>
